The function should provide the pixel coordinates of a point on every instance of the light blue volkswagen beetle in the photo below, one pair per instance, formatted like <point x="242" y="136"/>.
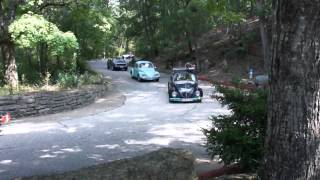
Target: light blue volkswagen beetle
<point x="144" y="70"/>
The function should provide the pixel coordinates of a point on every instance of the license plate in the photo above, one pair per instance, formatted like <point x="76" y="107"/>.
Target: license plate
<point x="186" y="100"/>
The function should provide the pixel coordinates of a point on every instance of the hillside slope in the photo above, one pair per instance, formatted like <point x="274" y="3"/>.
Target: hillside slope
<point x="223" y="55"/>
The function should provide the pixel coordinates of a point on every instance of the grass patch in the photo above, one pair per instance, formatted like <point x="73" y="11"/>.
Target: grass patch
<point x="65" y="82"/>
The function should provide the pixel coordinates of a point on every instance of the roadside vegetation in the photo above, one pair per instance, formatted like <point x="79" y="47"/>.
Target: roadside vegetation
<point x="44" y="38"/>
<point x="239" y="138"/>
<point x="45" y="44"/>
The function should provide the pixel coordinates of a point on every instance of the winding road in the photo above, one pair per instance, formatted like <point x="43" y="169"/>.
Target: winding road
<point x="141" y="121"/>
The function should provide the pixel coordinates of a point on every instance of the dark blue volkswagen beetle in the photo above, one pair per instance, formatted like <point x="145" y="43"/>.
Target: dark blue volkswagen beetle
<point x="183" y="86"/>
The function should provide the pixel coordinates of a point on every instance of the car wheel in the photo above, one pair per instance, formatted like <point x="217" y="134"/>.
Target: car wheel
<point x="201" y="92"/>
<point x="139" y="79"/>
<point x="125" y="69"/>
<point x="157" y="80"/>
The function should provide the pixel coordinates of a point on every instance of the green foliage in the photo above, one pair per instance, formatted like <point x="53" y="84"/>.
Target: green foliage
<point x="165" y="26"/>
<point x="68" y="80"/>
<point x="72" y="80"/>
<point x="88" y="78"/>
<point x="239" y="137"/>
<point x="236" y="80"/>
<point x="226" y="12"/>
<point x="93" y="24"/>
<point x="61" y="42"/>
<point x="31" y="29"/>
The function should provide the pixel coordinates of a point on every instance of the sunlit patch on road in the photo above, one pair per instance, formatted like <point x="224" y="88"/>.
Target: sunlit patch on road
<point x="25" y="128"/>
<point x="72" y="150"/>
<point x="2" y="171"/>
<point x="71" y="130"/>
<point x="48" y="156"/>
<point x="97" y="157"/>
<point x="165" y="141"/>
<point x="108" y="146"/>
<point x="168" y="133"/>
<point x="58" y="152"/>
<point x="6" y="162"/>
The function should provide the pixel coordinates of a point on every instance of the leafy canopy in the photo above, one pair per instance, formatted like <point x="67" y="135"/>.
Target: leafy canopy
<point x="31" y="29"/>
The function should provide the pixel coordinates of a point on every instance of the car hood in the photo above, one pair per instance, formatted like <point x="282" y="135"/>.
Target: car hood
<point x="185" y="84"/>
<point x="148" y="71"/>
<point x="120" y="63"/>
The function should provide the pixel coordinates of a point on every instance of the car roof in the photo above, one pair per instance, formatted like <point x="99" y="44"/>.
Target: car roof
<point x="118" y="59"/>
<point x="189" y="70"/>
<point x="139" y="62"/>
<point x="128" y="55"/>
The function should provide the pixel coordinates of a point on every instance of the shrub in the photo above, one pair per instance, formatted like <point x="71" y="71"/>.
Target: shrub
<point x="239" y="137"/>
<point x="68" y="80"/>
<point x="88" y="78"/>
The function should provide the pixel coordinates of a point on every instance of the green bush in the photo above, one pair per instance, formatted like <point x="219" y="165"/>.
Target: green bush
<point x="68" y="80"/>
<point x="239" y="137"/>
<point x="88" y="78"/>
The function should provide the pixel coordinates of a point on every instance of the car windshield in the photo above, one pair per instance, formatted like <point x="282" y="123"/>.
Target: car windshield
<point x="119" y="61"/>
<point x="184" y="77"/>
<point x="145" y="65"/>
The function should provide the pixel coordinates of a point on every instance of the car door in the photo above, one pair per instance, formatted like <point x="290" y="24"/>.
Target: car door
<point x="170" y="83"/>
<point x="135" y="70"/>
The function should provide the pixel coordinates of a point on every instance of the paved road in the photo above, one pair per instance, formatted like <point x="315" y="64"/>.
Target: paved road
<point x="145" y="122"/>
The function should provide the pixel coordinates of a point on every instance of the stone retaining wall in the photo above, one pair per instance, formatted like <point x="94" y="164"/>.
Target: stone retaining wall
<point x="40" y="103"/>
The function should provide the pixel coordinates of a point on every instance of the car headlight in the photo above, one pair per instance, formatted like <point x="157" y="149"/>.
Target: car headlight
<point x="174" y="94"/>
<point x="157" y="74"/>
<point x="142" y="74"/>
<point x="198" y="93"/>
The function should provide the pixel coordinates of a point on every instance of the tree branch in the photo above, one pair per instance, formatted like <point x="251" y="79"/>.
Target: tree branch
<point x="59" y="3"/>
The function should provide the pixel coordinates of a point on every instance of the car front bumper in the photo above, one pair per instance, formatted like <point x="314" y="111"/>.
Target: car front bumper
<point x="121" y="66"/>
<point x="146" y="78"/>
<point x="177" y="99"/>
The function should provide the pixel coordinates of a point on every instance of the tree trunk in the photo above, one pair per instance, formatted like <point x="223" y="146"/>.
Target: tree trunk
<point x="7" y="16"/>
<point x="188" y="38"/>
<point x="293" y="134"/>
<point x="43" y="59"/>
<point x="264" y="36"/>
<point x="11" y="75"/>
<point x="29" y="58"/>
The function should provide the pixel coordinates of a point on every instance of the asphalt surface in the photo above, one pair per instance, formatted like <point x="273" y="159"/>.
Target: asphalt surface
<point x="141" y="120"/>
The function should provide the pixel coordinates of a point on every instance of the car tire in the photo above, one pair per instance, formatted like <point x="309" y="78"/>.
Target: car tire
<point x="125" y="69"/>
<point x="139" y="79"/>
<point x="201" y="92"/>
<point x="157" y="80"/>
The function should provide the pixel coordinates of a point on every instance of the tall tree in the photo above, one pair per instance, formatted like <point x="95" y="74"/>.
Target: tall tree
<point x="7" y="16"/>
<point x="262" y="9"/>
<point x="293" y="135"/>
